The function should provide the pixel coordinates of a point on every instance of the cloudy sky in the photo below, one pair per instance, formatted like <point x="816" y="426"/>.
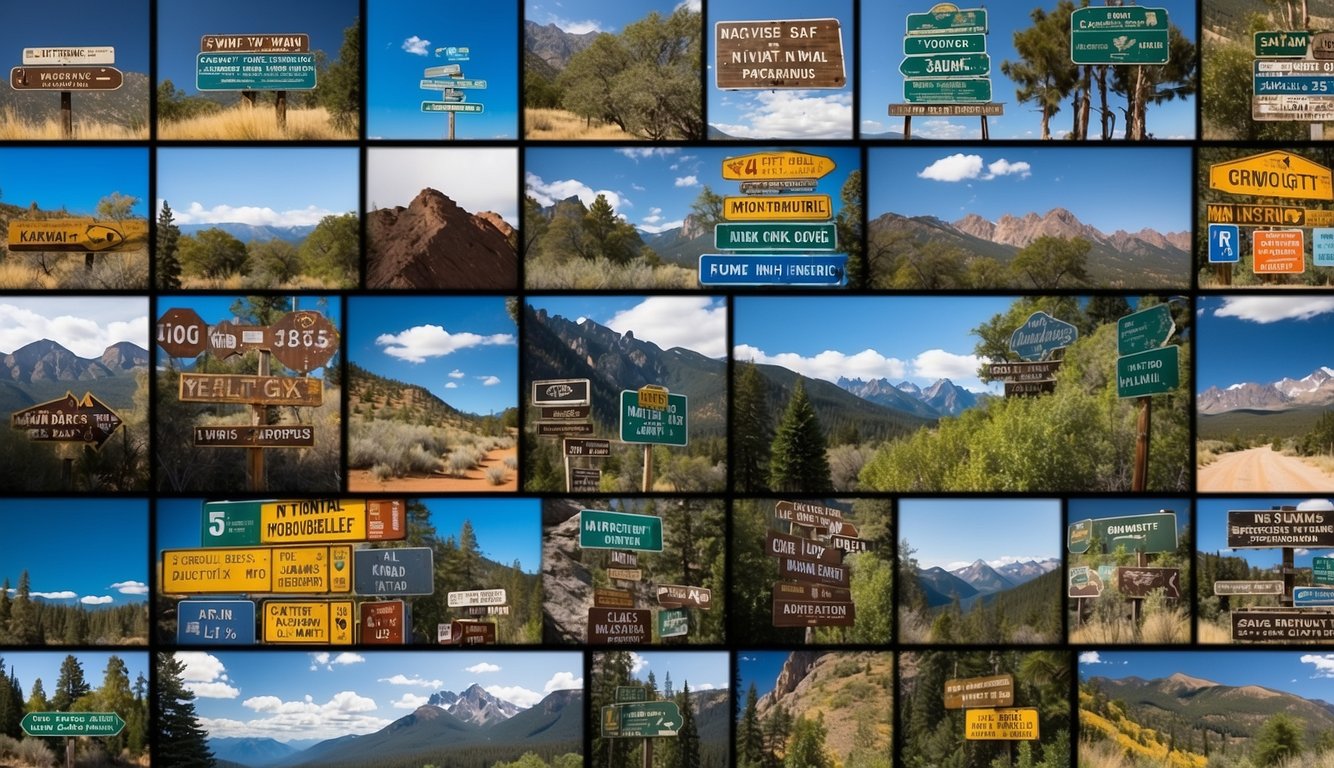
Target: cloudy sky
<point x="85" y="325"/>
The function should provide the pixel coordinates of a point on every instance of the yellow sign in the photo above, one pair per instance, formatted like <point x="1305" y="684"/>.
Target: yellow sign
<point x="248" y="570"/>
<point x="776" y="165"/>
<point x="308" y="621"/>
<point x="1319" y="217"/>
<point x="778" y="208"/>
<point x="1273" y="174"/>
<point x="1012" y="724"/>
<point x="653" y="396"/>
<point x="79" y="235"/>
<point x="295" y="522"/>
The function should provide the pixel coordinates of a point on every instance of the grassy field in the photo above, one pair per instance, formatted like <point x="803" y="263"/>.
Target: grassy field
<point x="236" y="282"/>
<point x="14" y="127"/>
<point x="1247" y="422"/>
<point x="600" y="275"/>
<point x="555" y="124"/>
<point x="67" y="271"/>
<point x="244" y="123"/>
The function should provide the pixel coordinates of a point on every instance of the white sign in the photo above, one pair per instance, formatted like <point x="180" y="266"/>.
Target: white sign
<point x="102" y="54"/>
<point x="475" y="597"/>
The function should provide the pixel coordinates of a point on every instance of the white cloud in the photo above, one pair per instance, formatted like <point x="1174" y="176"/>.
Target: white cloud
<point x="477" y="178"/>
<point x="414" y="681"/>
<point x="829" y="364"/>
<point x="697" y="323"/>
<point x="938" y="364"/>
<point x="61" y="595"/>
<point x="416" y="46"/>
<point x="1323" y="664"/>
<point x="795" y="114"/>
<point x="451" y="385"/>
<point x="638" y="153"/>
<point x="1004" y="167"/>
<point x="654" y="222"/>
<point x="1271" y="309"/>
<point x="1091" y="657"/>
<point x="420" y="342"/>
<point x="943" y="129"/>
<point x="346" y="712"/>
<point x="196" y="213"/>
<point x="561" y="681"/>
<point x="482" y="667"/>
<point x="347" y="657"/>
<point x="85" y="328"/>
<point x="205" y="675"/>
<point x="130" y="587"/>
<point x="692" y="5"/>
<point x="96" y="599"/>
<point x="637" y="663"/>
<point x="577" y="27"/>
<point x="548" y="193"/>
<point x="489" y="381"/>
<point x="686" y="181"/>
<point x="456" y="374"/>
<point x="1008" y="559"/>
<point x="958" y="167"/>
<point x="410" y="701"/>
<point x="515" y="694"/>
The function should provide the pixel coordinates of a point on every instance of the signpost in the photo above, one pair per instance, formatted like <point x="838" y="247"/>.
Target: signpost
<point x="467" y="633"/>
<point x="800" y="613"/>
<point x="68" y="419"/>
<point x="87" y="54"/>
<point x="614" y="626"/>
<point x="69" y="78"/>
<point x="750" y="269"/>
<point x="599" y="529"/>
<point x="641" y="720"/>
<point x="988" y="691"/>
<point x="590" y="448"/>
<point x="765" y="55"/>
<point x="776" y="165"/>
<point x="949" y="90"/>
<point x="1014" y="724"/>
<point x="782" y="545"/>
<point x="1083" y="581"/>
<point x="673" y="622"/>
<point x="1040" y="335"/>
<point x="279" y="43"/>
<point x="1312" y="596"/>
<point x="946" y="64"/>
<point x="1137" y="533"/>
<point x="451" y="106"/>
<point x="1021" y="372"/>
<point x="305" y="521"/>
<point x="612" y="598"/>
<point x="293" y="436"/>
<point x="395" y="572"/>
<point x="215" y="622"/>
<point x="1322" y="570"/>
<point x="812" y="572"/>
<point x="1282" y="44"/>
<point x="1119" y="35"/>
<point x="677" y="596"/>
<point x="283" y="570"/>
<point x="1255" y="215"/>
<point x="384" y="623"/>
<point x="475" y="597"/>
<point x="303" y="340"/>
<point x="326" y="622"/>
<point x="807" y="514"/>
<point x="666" y="426"/>
<point x="1273" y="174"/>
<point x="1152" y="372"/>
<point x="1138" y="581"/>
<point x="1278" y="251"/>
<point x="922" y="45"/>
<point x="182" y="333"/>
<point x="779" y="208"/>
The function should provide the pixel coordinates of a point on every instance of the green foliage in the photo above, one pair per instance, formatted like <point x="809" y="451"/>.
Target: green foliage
<point x="275" y="261"/>
<point x="806" y="749"/>
<point x="167" y="265"/>
<point x="707" y="210"/>
<point x="339" y="89"/>
<point x="751" y="433"/>
<point x="607" y="236"/>
<point x="1052" y="262"/>
<point x="332" y="251"/>
<point x="213" y="253"/>
<point x="797" y="457"/>
<point x="180" y="740"/>
<point x="173" y="105"/>
<point x="1278" y="740"/>
<point x="116" y="206"/>
<point x="1044" y="73"/>
<point x="848" y="224"/>
<point x="1225" y="93"/>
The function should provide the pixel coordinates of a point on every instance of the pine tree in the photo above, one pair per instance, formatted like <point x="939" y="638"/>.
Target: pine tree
<point x="70" y="686"/>
<point x="11" y="706"/>
<point x="180" y="741"/>
<point x="6" y="605"/>
<point x="37" y="701"/>
<point x="685" y="747"/>
<point x="798" y="461"/>
<point x="751" y="433"/>
<point x="749" y="739"/>
<point x="23" y="625"/>
<point x="807" y="748"/>
<point x="470" y="558"/>
<point x="115" y="696"/>
<point x="168" y="266"/>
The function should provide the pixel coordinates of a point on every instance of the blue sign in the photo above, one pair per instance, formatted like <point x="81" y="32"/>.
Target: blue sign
<point x="1294" y="84"/>
<point x="1322" y="246"/>
<point x="393" y="572"/>
<point x="215" y="622"/>
<point x="1313" y="595"/>
<point x="1224" y="243"/>
<point x="758" y="269"/>
<point x="255" y="71"/>
<point x="1040" y="334"/>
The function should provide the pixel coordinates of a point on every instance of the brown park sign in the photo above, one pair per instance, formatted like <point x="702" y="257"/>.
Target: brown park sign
<point x="1036" y="371"/>
<point x="467" y="633"/>
<point x="1136" y="581"/>
<point x="989" y="691"/>
<point x="303" y="340"/>
<point x="801" y="613"/>
<point x="782" y="545"/>
<point x="228" y="436"/>
<point x="297" y="43"/>
<point x="786" y="590"/>
<point x="181" y="332"/>
<point x="1280" y="528"/>
<point x="65" y="78"/>
<point x="384" y="623"/>
<point x="616" y="626"/>
<point x="793" y="53"/>
<point x="1029" y="388"/>
<point x="566" y="411"/>
<point x="584" y="480"/>
<point x="676" y="596"/>
<point x="626" y="559"/>
<point x="227" y="338"/>
<point x="814" y="573"/>
<point x="1286" y="626"/>
<point x="612" y="598"/>
<point x="249" y="390"/>
<point x="849" y="543"/>
<point x="76" y="235"/>
<point x="843" y="528"/>
<point x="1226" y="588"/>
<point x="581" y="447"/>
<point x="806" y="513"/>
<point x="68" y="419"/>
<point x="625" y="574"/>
<point x="946" y="110"/>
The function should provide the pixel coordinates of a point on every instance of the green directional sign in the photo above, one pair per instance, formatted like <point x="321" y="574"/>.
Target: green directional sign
<point x="946" y="65"/>
<point x="775" y="236"/>
<point x="1144" y="330"/>
<point x="1123" y="34"/>
<point x="1322" y="570"/>
<point x="72" y="724"/>
<point x="673" y="622"/>
<point x="1154" y="372"/>
<point x="647" y="719"/>
<point x="1282" y="44"/>
<point x="230" y="524"/>
<point x="660" y="426"/>
<point x="918" y="45"/>
<point x="449" y="106"/>
<point x="630" y="694"/>
<point x="951" y="22"/>
<point x="599" y="529"/>
<point x="947" y="90"/>
<point x="1137" y="533"/>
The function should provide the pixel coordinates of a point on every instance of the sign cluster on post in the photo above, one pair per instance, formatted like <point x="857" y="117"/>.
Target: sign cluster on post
<point x="777" y="217"/>
<point x="946" y="69"/>
<point x="1034" y="341"/>
<point x="1306" y="614"/>
<point x="451" y="86"/>
<point x="813" y="589"/>
<point x="276" y="547"/>
<point x="989" y="713"/>
<point x="565" y="408"/>
<point x="474" y="631"/>
<point x="67" y="69"/>
<point x="1291" y="76"/>
<point x="1142" y="535"/>
<point x="1281" y="176"/>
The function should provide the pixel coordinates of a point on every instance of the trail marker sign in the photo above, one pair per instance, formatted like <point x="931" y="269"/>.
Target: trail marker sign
<point x="1144" y="330"/>
<point x="793" y="53"/>
<point x="72" y="724"/>
<point x="1014" y="724"/>
<point x="667" y="426"/>
<point x="1040" y="334"/>
<point x="600" y="529"/>
<point x="988" y="691"/>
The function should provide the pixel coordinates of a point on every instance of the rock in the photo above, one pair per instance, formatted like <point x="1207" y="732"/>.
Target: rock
<point x="434" y="243"/>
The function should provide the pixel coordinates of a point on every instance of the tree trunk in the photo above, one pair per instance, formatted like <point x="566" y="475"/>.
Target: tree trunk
<point x="1107" y="115"/>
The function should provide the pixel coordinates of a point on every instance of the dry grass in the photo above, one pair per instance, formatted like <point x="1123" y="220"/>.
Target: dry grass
<point x="557" y="124"/>
<point x="1323" y="463"/>
<point x="1213" y="632"/>
<point x="1101" y="754"/>
<point x="237" y="282"/>
<point x="14" y="127"/>
<point x="1096" y="632"/>
<point x="1167" y="626"/>
<point x="913" y="628"/>
<point x="585" y="275"/>
<point x="66" y="271"/>
<point x="244" y="123"/>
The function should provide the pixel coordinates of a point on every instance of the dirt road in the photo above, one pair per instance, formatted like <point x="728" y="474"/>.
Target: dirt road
<point x="1262" y="469"/>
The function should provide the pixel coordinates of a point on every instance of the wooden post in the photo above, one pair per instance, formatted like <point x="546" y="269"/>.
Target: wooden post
<point x="69" y="752"/>
<point x="248" y="99"/>
<point x="66" y="116"/>
<point x="648" y="468"/>
<point x="450" y="134"/>
<point x="1317" y="131"/>
<point x="1141" y="560"/>
<point x="280" y="109"/>
<point x="1289" y="576"/>
<point x="1224" y="272"/>
<point x="986" y="134"/>
<point x="567" y="474"/>
<point x="907" y="127"/>
<point x="255" y="480"/>
<point x="648" y="743"/>
<point x="1141" y="472"/>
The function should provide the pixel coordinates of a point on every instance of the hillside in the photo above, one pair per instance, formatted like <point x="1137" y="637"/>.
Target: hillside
<point x="851" y="691"/>
<point x="250" y="233"/>
<point x="838" y="409"/>
<point x="44" y="370"/>
<point x="126" y="107"/>
<point x="372" y="396"/>
<point x="1248" y="422"/>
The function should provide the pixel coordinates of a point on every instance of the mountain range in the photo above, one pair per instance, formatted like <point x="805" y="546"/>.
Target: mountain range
<point x="553" y="45"/>
<point x="435" y="243"/>
<point x="253" y="233"/>
<point x="1314" y="389"/>
<point x="1119" y="258"/>
<point x="979" y="579"/>
<point x="942" y="398"/>
<point x="44" y="370"/>
<point x="127" y="106"/>
<point x="450" y="726"/>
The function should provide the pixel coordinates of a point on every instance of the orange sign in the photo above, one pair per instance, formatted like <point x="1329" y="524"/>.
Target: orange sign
<point x="1278" y="251"/>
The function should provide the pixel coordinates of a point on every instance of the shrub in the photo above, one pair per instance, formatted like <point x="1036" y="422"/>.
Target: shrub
<point x="496" y="475"/>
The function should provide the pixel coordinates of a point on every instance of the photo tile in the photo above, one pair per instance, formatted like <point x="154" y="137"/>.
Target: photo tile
<point x="644" y="704"/>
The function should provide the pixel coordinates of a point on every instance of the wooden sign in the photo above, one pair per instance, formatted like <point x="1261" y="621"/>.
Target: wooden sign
<point x="295" y="43"/>
<point x="467" y="633"/>
<point x="782" y="545"/>
<point x="584" y="480"/>
<point x="593" y="448"/>
<point x="1029" y="388"/>
<point x="68" y="419"/>
<point x="76" y="235"/>
<point x="85" y="54"/>
<point x="1280" y="528"/>
<point x="228" y="436"/>
<point x="807" y="514"/>
<point x="1017" y="724"/>
<point x="384" y="623"/>
<point x="560" y="412"/>
<point x="227" y="338"/>
<point x="1228" y="588"/>
<point x="1138" y="582"/>
<point x="65" y="78"/>
<point x="1291" y="626"/>
<point x="615" y="626"/>
<point x="795" y="53"/>
<point x="988" y="691"/>
<point x="676" y="596"/>
<point x="563" y="428"/>
<point x="612" y="598"/>
<point x="303" y="340"/>
<point x="800" y="613"/>
<point x="625" y="574"/>
<point x="815" y="573"/>
<point x="249" y="390"/>
<point x="181" y="332"/>
<point x="788" y="590"/>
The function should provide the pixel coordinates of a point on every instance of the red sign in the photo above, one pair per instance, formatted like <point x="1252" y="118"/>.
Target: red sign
<point x="616" y="626"/>
<point x="467" y="633"/>
<point x="383" y="623"/>
<point x="386" y="520"/>
<point x="182" y="332"/>
<point x="303" y="340"/>
<point x="1278" y="251"/>
<point x="68" y="420"/>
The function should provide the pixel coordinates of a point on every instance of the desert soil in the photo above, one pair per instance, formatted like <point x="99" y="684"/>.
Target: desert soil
<point x="1262" y="469"/>
<point x="360" y="479"/>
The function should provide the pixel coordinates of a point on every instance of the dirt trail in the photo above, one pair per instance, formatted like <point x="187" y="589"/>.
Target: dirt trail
<point x="1262" y="469"/>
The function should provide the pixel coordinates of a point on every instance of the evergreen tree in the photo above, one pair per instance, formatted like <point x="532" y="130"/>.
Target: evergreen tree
<point x="797" y="459"/>
<point x="37" y="701"/>
<point x="749" y="739"/>
<point x="684" y="751"/>
<point x="1044" y="73"/>
<point x="11" y="706"/>
<point x="340" y="85"/>
<point x="807" y="747"/>
<point x="23" y="626"/>
<point x="751" y="433"/>
<point x="70" y="685"/>
<point x="470" y="557"/>
<point x="848" y="224"/>
<point x="166" y="263"/>
<point x="180" y="741"/>
<point x="607" y="235"/>
<point x="6" y="605"/>
<point x="115" y="696"/>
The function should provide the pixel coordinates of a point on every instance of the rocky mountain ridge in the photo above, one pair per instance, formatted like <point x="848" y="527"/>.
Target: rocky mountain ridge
<point x="1314" y="389"/>
<point x="435" y="243"/>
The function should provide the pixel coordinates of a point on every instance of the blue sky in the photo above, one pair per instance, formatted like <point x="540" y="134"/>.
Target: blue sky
<point x="85" y="325"/>
<point x="883" y="27"/>
<point x="952" y="533"/>
<point x="697" y="323"/>
<point x="462" y="349"/>
<point x="1211" y="531"/>
<point x="122" y="25"/>
<point x="214" y="309"/>
<point x="261" y="186"/>
<point x="477" y="178"/>
<point x="30" y="665"/>
<point x="295" y="696"/>
<point x="102" y="547"/>
<point x="181" y="24"/>
<point x="760" y="668"/>
<point x="581" y="16"/>
<point x="830" y="337"/>
<point x="1261" y="338"/>
<point x="401" y="42"/>
<point x="782" y="113"/>
<point x="1304" y="674"/>
<point x="704" y="670"/>
<point x="43" y="175"/>
<point x="653" y="187"/>
<point x="507" y="529"/>
<point x="1126" y="188"/>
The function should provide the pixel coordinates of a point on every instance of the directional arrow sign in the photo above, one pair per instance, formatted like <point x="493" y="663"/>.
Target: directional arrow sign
<point x="76" y="235"/>
<point x="449" y="106"/>
<point x="946" y="65"/>
<point x="649" y="718"/>
<point x="68" y="420"/>
<point x="1144" y="330"/>
<point x="65" y="78"/>
<point x="1040" y="334"/>
<point x="776" y="165"/>
<point x="72" y="724"/>
<point x="678" y="596"/>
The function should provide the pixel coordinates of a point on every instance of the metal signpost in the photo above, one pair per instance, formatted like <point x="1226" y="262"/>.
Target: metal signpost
<point x="1119" y="35"/>
<point x="768" y="55"/>
<point x="946" y="70"/>
<point x="395" y="572"/>
<point x="1145" y="367"/>
<point x="452" y="101"/>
